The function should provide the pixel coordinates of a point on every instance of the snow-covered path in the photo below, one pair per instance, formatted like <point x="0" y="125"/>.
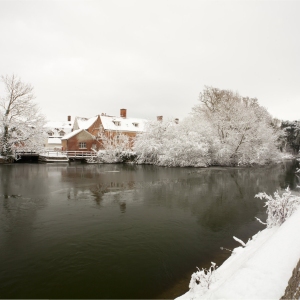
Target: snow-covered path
<point x="261" y="270"/>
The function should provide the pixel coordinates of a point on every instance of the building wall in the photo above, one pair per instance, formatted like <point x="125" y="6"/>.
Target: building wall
<point x="94" y="129"/>
<point x="72" y="144"/>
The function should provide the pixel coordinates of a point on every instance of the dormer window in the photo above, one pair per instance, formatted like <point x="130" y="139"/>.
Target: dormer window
<point x="135" y="124"/>
<point x="61" y="133"/>
<point x="50" y="133"/>
<point x="117" y="123"/>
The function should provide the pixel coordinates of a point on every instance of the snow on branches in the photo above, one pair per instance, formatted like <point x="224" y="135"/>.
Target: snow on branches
<point x="279" y="207"/>
<point x="166" y="143"/>
<point x="224" y="129"/>
<point x="21" y="124"/>
<point x="202" y="279"/>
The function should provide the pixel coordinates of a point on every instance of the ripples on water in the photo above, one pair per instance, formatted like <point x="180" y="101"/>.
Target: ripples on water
<point x="123" y="231"/>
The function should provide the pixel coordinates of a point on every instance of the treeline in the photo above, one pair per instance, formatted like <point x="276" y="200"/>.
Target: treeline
<point x="224" y="129"/>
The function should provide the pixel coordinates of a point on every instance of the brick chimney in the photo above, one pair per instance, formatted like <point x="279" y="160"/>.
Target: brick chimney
<point x="123" y="113"/>
<point x="159" y="118"/>
<point x="69" y="118"/>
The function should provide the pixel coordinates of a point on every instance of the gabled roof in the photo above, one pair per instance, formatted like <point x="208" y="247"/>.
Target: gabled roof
<point x="123" y="124"/>
<point x="85" y="123"/>
<point x="75" y="132"/>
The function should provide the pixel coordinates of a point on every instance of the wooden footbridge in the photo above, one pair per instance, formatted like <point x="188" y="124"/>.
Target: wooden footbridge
<point x="71" y="155"/>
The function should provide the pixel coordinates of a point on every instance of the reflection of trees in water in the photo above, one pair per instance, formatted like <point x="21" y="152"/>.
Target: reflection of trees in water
<point x="217" y="196"/>
<point x="288" y="177"/>
<point x="220" y="197"/>
<point x="19" y="204"/>
<point x="97" y="192"/>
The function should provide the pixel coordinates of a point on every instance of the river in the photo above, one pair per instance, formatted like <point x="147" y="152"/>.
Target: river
<point x="123" y="231"/>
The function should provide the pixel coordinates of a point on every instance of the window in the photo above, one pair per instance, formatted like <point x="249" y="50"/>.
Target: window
<point x="50" y="133"/>
<point x="61" y="133"/>
<point x="82" y="145"/>
<point x="117" y="123"/>
<point x="135" y="124"/>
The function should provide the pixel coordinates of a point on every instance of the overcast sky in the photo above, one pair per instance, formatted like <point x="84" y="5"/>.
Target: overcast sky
<point x="151" y="57"/>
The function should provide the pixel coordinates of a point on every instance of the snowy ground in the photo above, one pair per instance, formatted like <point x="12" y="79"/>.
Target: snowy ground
<point x="261" y="270"/>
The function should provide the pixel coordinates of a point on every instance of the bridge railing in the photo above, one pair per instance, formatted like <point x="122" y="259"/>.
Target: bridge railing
<point x="70" y="154"/>
<point x="79" y="154"/>
<point x="26" y="152"/>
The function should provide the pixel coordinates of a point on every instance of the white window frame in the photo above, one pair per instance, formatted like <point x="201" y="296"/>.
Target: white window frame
<point x="82" y="145"/>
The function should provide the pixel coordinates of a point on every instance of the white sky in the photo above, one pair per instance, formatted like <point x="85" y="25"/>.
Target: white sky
<point x="151" y="57"/>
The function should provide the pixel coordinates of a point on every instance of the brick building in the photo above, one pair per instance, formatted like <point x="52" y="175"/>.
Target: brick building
<point x="95" y="132"/>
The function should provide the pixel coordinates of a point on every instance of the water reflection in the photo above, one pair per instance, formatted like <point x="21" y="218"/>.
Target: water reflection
<point x="78" y="231"/>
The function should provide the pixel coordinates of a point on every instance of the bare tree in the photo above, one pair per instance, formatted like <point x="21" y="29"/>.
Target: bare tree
<point x="21" y="123"/>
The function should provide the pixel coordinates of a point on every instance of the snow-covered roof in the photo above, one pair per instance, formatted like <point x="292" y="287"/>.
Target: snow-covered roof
<point x="73" y="133"/>
<point x="54" y="140"/>
<point x="58" y="124"/>
<point x="85" y="123"/>
<point x="123" y="124"/>
<point x="56" y="127"/>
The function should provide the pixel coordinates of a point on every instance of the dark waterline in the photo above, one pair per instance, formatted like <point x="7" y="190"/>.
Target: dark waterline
<point x="123" y="231"/>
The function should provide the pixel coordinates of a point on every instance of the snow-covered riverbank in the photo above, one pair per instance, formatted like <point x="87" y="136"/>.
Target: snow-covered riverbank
<point x="261" y="270"/>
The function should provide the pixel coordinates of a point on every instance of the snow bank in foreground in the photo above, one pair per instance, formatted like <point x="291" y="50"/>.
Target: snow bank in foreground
<point x="261" y="270"/>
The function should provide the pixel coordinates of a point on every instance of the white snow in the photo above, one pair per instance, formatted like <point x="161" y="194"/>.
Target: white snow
<point x="123" y="124"/>
<point x="261" y="270"/>
<point x="55" y="141"/>
<point x="85" y="123"/>
<point x="58" y="128"/>
<point x="73" y="133"/>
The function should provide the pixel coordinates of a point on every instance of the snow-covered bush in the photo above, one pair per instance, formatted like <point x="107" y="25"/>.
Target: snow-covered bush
<point x="109" y="156"/>
<point x="116" y="149"/>
<point x="148" y="145"/>
<point x="166" y="143"/>
<point x="202" y="279"/>
<point x="280" y="207"/>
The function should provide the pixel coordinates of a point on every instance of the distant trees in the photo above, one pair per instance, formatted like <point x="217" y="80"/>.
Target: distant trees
<point x="223" y="129"/>
<point x="21" y="124"/>
<point x="290" y="140"/>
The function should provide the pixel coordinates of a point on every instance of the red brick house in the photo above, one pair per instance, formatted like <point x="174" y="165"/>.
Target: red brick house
<point x="90" y="133"/>
<point x="79" y="140"/>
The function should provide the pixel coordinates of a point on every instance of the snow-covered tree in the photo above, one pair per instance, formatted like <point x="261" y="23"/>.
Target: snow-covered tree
<point x="148" y="145"/>
<point x="21" y="123"/>
<point x="185" y="144"/>
<point x="116" y="147"/>
<point x="243" y="132"/>
<point x="167" y="143"/>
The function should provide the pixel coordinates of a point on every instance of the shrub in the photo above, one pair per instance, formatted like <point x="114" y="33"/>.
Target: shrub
<point x="280" y="207"/>
<point x="202" y="279"/>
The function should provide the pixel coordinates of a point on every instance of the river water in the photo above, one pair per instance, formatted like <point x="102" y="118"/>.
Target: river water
<point x="123" y="231"/>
